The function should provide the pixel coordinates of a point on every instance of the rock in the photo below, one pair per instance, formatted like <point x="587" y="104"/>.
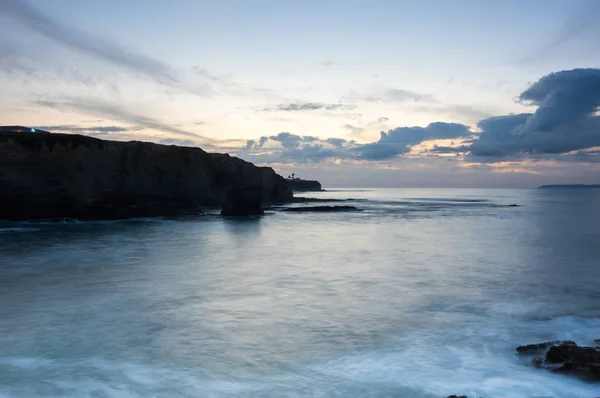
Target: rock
<point x="566" y="357"/>
<point x="531" y="349"/>
<point x="54" y="176"/>
<point x="597" y="342"/>
<point x="573" y="353"/>
<point x="243" y="202"/>
<point x="589" y="372"/>
<point x="301" y="199"/>
<point x="319" y="208"/>
<point x="299" y="185"/>
<point x="457" y="396"/>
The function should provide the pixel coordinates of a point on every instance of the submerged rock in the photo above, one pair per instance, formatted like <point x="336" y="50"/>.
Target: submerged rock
<point x="457" y="396"/>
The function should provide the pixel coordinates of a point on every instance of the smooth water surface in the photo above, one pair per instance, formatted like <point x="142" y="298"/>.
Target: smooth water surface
<point x="424" y="293"/>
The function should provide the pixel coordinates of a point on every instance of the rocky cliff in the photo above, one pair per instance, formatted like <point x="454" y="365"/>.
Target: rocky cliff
<point x="61" y="175"/>
<point x="300" y="185"/>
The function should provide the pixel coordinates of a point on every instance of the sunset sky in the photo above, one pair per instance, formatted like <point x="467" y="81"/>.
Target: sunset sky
<point x="353" y="93"/>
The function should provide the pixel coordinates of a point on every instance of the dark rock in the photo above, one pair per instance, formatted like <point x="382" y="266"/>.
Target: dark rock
<point x="243" y="202"/>
<point x="573" y="353"/>
<point x="566" y="357"/>
<point x="589" y="372"/>
<point x="299" y="185"/>
<point x="531" y="349"/>
<point x="457" y="396"/>
<point x="319" y="208"/>
<point x="54" y="176"/>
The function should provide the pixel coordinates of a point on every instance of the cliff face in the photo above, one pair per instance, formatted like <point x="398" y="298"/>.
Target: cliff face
<point x="63" y="175"/>
<point x="299" y="185"/>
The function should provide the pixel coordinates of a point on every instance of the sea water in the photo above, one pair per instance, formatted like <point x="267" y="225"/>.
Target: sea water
<point x="423" y="293"/>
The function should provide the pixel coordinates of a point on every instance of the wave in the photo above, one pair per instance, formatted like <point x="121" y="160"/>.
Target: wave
<point x="17" y="229"/>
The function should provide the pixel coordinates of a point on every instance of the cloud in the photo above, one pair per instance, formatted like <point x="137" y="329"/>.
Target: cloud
<point x="249" y="145"/>
<point x="564" y="127"/>
<point x="262" y="141"/>
<point x="307" y="149"/>
<point x="88" y="44"/>
<point x="400" y="140"/>
<point x="354" y="130"/>
<point x="562" y="98"/>
<point x="563" y="122"/>
<point x="392" y="95"/>
<point x="336" y="142"/>
<point x="449" y="149"/>
<point x="287" y="140"/>
<point x="96" y="130"/>
<point x="115" y="112"/>
<point x="309" y="106"/>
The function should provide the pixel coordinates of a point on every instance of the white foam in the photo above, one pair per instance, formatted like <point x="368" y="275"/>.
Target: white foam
<point x="455" y="371"/>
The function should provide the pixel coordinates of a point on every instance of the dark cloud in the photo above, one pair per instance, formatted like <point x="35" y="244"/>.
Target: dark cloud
<point x="336" y="142"/>
<point x="287" y="140"/>
<point x="309" y="154"/>
<point x="85" y="43"/>
<point x="116" y="112"/>
<point x="562" y="98"/>
<point x="400" y="140"/>
<point x="308" y="149"/>
<point x="563" y="122"/>
<point x="309" y="106"/>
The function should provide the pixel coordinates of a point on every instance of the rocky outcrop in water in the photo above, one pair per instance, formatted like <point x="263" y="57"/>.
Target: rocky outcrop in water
<point x="47" y="176"/>
<point x="243" y="202"/>
<point x="299" y="185"/>
<point x="565" y="357"/>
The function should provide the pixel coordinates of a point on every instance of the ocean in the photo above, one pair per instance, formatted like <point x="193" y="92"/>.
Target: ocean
<point x="423" y="293"/>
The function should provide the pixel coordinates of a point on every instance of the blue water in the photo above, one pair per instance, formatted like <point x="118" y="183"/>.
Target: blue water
<point x="424" y="293"/>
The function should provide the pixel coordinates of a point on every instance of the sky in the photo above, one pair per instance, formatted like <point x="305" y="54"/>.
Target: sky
<point x="373" y="93"/>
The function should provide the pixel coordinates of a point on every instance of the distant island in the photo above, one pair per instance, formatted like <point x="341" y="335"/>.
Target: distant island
<point x="58" y="176"/>
<point x="578" y="186"/>
<point x="300" y="185"/>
